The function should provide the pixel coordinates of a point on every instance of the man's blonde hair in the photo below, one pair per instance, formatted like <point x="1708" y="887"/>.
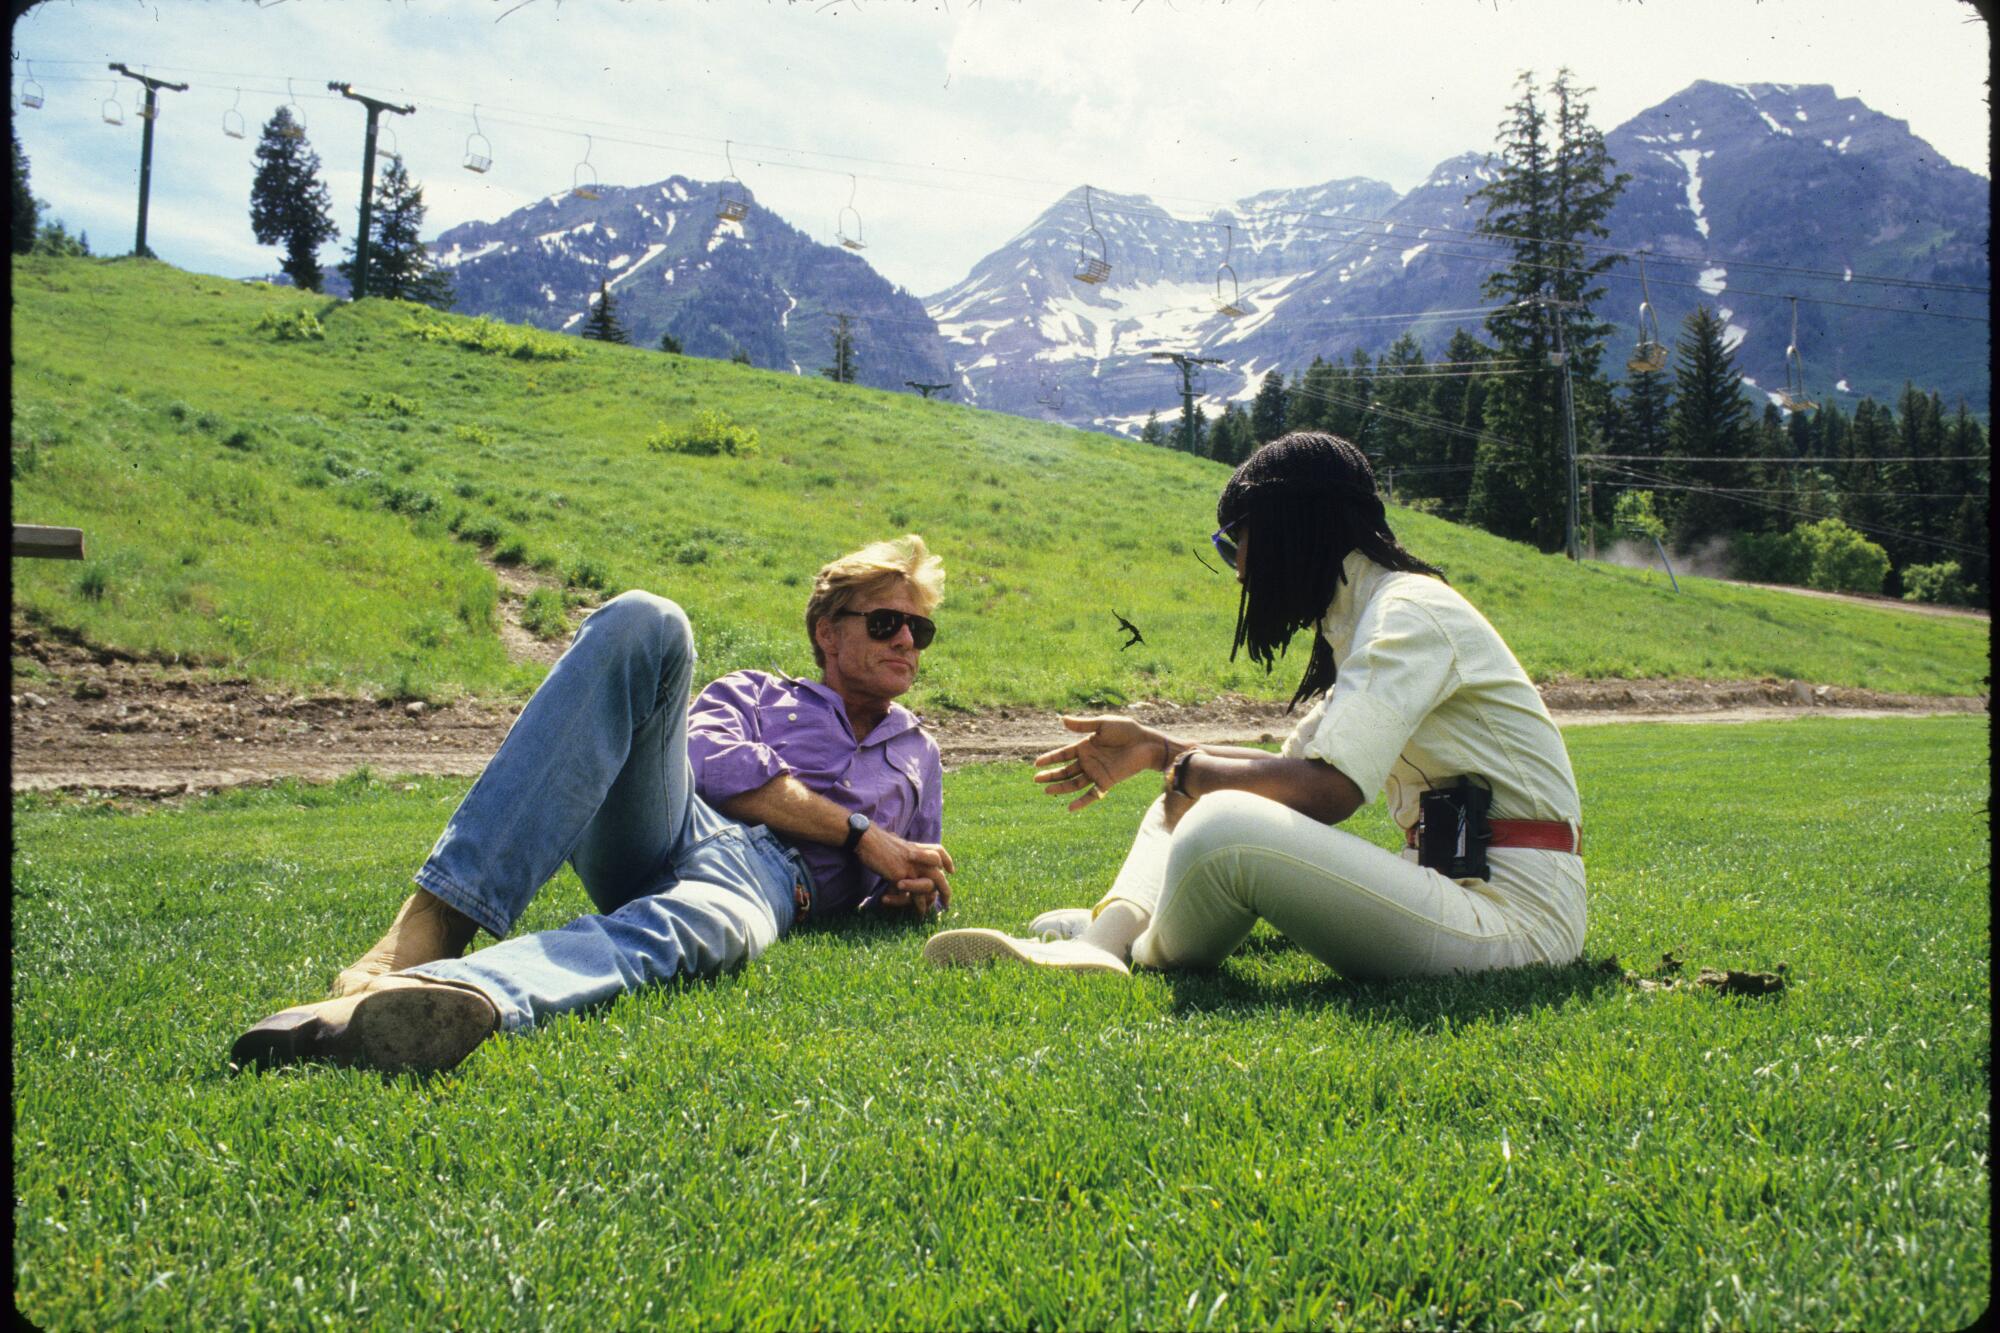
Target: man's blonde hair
<point x="840" y="583"/>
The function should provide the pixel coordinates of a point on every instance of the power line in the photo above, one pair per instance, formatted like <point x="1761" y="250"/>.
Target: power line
<point x="1755" y="458"/>
<point x="540" y="120"/>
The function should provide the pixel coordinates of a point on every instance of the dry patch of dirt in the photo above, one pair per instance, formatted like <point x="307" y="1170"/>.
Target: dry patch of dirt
<point x="96" y="719"/>
<point x="1879" y="603"/>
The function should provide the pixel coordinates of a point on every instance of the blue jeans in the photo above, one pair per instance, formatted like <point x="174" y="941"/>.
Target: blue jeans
<point x="595" y="771"/>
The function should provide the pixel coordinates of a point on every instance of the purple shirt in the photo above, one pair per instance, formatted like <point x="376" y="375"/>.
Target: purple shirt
<point x="750" y="726"/>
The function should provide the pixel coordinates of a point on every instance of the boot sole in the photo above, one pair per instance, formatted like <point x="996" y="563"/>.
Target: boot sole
<point x="973" y="946"/>
<point x="405" y="1029"/>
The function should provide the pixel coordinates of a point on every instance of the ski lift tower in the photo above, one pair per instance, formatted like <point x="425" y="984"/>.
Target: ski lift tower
<point x="149" y="113"/>
<point x="375" y="109"/>
<point x="1189" y="367"/>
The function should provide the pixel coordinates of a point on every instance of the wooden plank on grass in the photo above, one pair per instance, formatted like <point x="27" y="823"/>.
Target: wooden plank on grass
<point x="48" y="543"/>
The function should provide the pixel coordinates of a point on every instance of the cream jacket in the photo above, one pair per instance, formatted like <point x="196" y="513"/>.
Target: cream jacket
<point x="1428" y="692"/>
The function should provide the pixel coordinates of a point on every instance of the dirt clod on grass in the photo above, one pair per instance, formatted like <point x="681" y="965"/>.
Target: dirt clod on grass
<point x="87" y="718"/>
<point x="1727" y="980"/>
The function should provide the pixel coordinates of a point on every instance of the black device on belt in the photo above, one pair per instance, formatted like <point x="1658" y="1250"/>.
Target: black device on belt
<point x="1453" y="831"/>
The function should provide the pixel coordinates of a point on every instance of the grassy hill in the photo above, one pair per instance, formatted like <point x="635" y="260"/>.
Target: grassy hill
<point x="308" y="492"/>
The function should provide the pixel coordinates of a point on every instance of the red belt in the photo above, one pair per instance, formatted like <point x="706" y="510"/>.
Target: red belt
<point x="1551" y="835"/>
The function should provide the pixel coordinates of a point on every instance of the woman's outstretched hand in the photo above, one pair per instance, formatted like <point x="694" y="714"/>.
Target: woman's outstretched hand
<point x="1112" y="749"/>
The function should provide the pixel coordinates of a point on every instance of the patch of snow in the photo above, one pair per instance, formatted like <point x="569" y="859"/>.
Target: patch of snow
<point x="1414" y="251"/>
<point x="1690" y="159"/>
<point x="1847" y="275"/>
<point x="785" y="320"/>
<point x="610" y="233"/>
<point x="572" y="319"/>
<point x="726" y="229"/>
<point x="618" y="261"/>
<point x="1712" y="280"/>
<point x="1675" y="137"/>
<point x="1732" y="336"/>
<point x="548" y="292"/>
<point x="1799" y="112"/>
<point x="1842" y="384"/>
<point x="1772" y="121"/>
<point x="645" y="259"/>
<point x="1845" y="140"/>
<point x="1695" y="135"/>
<point x="453" y="257"/>
<point x="677" y="192"/>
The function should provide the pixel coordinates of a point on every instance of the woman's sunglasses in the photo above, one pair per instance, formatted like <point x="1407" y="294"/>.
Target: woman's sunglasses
<point x="1225" y="545"/>
<point x="882" y="624"/>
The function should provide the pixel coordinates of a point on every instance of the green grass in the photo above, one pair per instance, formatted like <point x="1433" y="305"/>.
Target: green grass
<point x="312" y="511"/>
<point x="838" y="1136"/>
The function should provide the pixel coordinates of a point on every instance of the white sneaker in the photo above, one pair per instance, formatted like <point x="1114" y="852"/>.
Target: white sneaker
<point x="1065" y="923"/>
<point x="961" y="948"/>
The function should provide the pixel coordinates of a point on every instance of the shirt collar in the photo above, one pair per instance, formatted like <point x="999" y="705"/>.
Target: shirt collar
<point x="1357" y="588"/>
<point x="898" y="720"/>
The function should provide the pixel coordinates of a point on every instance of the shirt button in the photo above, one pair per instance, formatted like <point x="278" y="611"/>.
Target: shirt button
<point x="791" y="717"/>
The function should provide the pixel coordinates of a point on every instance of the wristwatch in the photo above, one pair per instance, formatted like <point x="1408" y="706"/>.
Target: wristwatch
<point x="857" y="826"/>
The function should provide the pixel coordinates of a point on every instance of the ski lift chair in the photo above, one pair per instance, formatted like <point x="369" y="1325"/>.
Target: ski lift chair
<point x="840" y="226"/>
<point x="1793" y="396"/>
<point x="1650" y="355"/>
<point x="578" y="186"/>
<point x="113" y="113"/>
<point x="1232" y="306"/>
<point x="1091" y="268"/>
<point x="478" y="148"/>
<point x="232" y="119"/>
<point x="31" y="92"/>
<point x="297" y="129"/>
<point x="732" y="206"/>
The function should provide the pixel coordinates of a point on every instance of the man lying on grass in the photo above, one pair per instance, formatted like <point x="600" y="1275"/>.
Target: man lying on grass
<point x="702" y="834"/>
<point x="1418" y="695"/>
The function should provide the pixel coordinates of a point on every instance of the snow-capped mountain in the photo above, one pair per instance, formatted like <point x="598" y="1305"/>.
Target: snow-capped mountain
<point x="1723" y="177"/>
<point x="674" y="265"/>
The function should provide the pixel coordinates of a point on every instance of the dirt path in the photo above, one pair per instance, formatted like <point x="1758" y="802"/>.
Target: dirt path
<point x="1879" y="603"/>
<point x="98" y="720"/>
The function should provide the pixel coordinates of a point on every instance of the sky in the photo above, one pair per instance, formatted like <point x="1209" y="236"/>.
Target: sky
<point x="949" y="124"/>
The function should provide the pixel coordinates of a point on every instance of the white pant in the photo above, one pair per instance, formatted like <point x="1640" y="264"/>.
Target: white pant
<point x="1362" y="911"/>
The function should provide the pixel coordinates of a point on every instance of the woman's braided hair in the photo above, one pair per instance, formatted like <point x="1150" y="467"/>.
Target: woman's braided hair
<point x="1309" y="498"/>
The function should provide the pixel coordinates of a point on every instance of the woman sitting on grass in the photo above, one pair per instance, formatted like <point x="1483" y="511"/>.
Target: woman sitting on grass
<point x="1416" y="694"/>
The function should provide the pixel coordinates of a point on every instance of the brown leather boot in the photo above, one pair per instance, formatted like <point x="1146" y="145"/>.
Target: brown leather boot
<point x="426" y="930"/>
<point x="398" y="1024"/>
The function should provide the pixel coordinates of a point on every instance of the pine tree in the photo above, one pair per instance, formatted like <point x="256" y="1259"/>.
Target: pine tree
<point x="1151" y="432"/>
<point x="1347" y="414"/>
<point x="1460" y="403"/>
<point x="399" y="267"/>
<point x="602" y="324"/>
<point x="1306" y="403"/>
<point x="1710" y="419"/>
<point x="1554" y="190"/>
<point x="1397" y="438"/>
<point x="1642" y="419"/>
<point x="741" y="356"/>
<point x="1863" y="504"/>
<point x="1267" y="411"/>
<point x="26" y="212"/>
<point x="669" y="343"/>
<point x="289" y="204"/>
<point x="842" y="369"/>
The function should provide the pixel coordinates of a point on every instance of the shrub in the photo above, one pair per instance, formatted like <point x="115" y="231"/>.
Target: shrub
<point x="474" y="434"/>
<point x="93" y="581"/>
<point x="1942" y="582"/>
<point x="692" y="553"/>
<point x="389" y="404"/>
<point x="710" y="434"/>
<point x="1634" y="513"/>
<point x="586" y="573"/>
<point x="1841" y="559"/>
<point x="496" y="338"/>
<point x="510" y="552"/>
<point x="1770" y="557"/>
<point x="297" y="324"/>
<point x="484" y="531"/>
<point x="542" y="614"/>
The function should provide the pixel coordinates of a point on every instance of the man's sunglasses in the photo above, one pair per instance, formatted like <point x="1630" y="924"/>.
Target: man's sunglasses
<point x="882" y="624"/>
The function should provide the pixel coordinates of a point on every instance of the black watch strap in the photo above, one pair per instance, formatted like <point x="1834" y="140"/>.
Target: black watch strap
<point x="857" y="828"/>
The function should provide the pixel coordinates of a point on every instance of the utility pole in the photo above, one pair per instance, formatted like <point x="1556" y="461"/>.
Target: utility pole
<point x="375" y="109"/>
<point x="927" y="389"/>
<point x="1560" y="359"/>
<point x="149" y="113"/>
<point x="1187" y="365"/>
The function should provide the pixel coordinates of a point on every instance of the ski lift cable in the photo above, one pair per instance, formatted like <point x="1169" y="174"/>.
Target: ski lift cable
<point x="1307" y="218"/>
<point x="1781" y="460"/>
<point x="1638" y="481"/>
<point x="1477" y="234"/>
